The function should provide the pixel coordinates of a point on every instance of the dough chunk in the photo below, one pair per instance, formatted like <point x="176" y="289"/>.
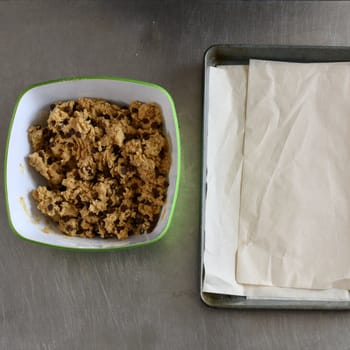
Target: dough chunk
<point x="107" y="167"/>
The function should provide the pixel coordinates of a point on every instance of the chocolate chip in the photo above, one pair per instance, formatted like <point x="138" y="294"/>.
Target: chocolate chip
<point x="53" y="122"/>
<point x="139" y="219"/>
<point x="94" y="149"/>
<point x="52" y="106"/>
<point x="62" y="188"/>
<point x="71" y="132"/>
<point x="106" y="172"/>
<point x="77" y="107"/>
<point x="78" y="134"/>
<point x="157" y="172"/>
<point x="155" y="193"/>
<point x="145" y="120"/>
<point x="65" y="168"/>
<point x="162" y="153"/>
<point x="145" y="136"/>
<point x="134" y="110"/>
<point x="153" y="225"/>
<point x="47" y="136"/>
<point x="116" y="149"/>
<point x="65" y="121"/>
<point x="120" y="192"/>
<point x="155" y="125"/>
<point x="80" y="205"/>
<point x="93" y="122"/>
<point x="134" y="186"/>
<point x="49" y="207"/>
<point x="96" y="230"/>
<point x="65" y="218"/>
<point x="135" y="198"/>
<point x="107" y="117"/>
<point x="130" y="232"/>
<point x="123" y="207"/>
<point x="128" y="137"/>
<point x="95" y="195"/>
<point x="69" y="227"/>
<point x="50" y="160"/>
<point x="123" y="170"/>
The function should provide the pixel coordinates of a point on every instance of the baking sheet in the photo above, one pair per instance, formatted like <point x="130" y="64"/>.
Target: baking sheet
<point x="226" y="124"/>
<point x="219" y="55"/>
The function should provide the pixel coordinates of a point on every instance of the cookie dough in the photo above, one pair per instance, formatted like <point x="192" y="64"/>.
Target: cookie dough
<point x="107" y="167"/>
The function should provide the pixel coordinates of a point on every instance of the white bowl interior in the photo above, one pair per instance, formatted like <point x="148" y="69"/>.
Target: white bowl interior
<point x="32" y="108"/>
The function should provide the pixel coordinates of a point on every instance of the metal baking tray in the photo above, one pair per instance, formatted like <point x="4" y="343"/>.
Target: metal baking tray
<point x="240" y="54"/>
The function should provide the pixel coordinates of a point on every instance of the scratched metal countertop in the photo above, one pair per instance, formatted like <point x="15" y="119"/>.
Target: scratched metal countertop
<point x="144" y="298"/>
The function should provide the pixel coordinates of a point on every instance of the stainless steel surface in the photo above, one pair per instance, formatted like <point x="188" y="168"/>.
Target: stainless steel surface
<point x="144" y="298"/>
<point x="240" y="54"/>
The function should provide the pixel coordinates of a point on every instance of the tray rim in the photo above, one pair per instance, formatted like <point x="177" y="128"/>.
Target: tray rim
<point x="238" y="302"/>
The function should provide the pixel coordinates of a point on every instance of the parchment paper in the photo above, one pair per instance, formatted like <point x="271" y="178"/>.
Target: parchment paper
<point x="294" y="222"/>
<point x="226" y="119"/>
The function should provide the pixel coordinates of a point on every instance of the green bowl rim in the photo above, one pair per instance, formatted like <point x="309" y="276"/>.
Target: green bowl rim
<point x="103" y="77"/>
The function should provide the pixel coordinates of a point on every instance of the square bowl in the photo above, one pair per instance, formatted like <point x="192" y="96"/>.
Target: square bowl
<point x="31" y="107"/>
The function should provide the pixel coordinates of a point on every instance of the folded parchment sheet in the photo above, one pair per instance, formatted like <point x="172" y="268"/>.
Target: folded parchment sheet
<point x="295" y="205"/>
<point x="226" y="122"/>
